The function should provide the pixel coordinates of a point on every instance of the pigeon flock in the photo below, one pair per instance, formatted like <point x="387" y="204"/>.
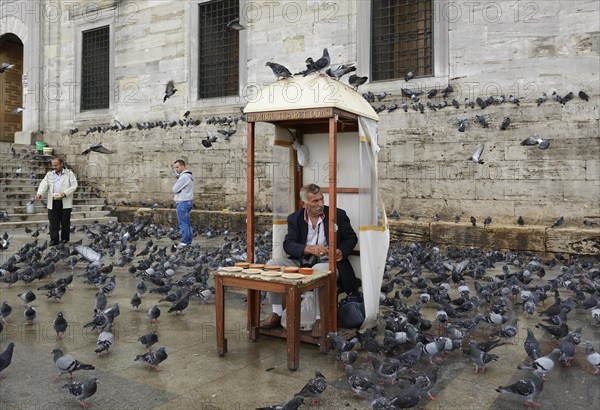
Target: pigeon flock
<point x="437" y="306"/>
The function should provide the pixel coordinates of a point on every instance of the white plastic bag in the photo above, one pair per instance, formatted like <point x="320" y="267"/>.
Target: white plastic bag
<point x="308" y="312"/>
<point x="302" y="153"/>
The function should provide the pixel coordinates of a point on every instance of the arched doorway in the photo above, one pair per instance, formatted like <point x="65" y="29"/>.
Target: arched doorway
<point x="11" y="89"/>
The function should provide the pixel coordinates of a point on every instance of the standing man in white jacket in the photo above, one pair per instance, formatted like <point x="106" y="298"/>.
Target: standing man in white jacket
<point x="184" y="194"/>
<point x="59" y="184"/>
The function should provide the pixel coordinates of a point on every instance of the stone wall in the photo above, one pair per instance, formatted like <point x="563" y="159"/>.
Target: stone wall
<point x="494" y="48"/>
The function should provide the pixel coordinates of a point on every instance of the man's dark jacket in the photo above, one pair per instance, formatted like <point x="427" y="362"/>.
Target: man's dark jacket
<point x="346" y="240"/>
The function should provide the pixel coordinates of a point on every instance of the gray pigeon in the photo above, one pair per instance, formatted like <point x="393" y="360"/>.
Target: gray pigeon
<point x="149" y="339"/>
<point x="358" y="384"/>
<point x="322" y="62"/>
<point x="567" y="350"/>
<point x="544" y="363"/>
<point x="96" y="148"/>
<point x="60" y="326"/>
<point x="387" y="369"/>
<point x="356" y="81"/>
<point x="429" y="380"/>
<point x="528" y="389"/>
<point x="135" y="301"/>
<point x="433" y="349"/>
<point x="532" y="346"/>
<point x="105" y="341"/>
<point x="5" y="311"/>
<point x="509" y="332"/>
<point x="505" y="124"/>
<point x="153" y="313"/>
<point x="409" y="397"/>
<point x="27" y="297"/>
<point x="83" y="390"/>
<point x="30" y="314"/>
<point x="141" y="288"/>
<point x="479" y="357"/>
<point x="293" y="404"/>
<point x="593" y="357"/>
<point x="6" y="357"/>
<point x="314" y="387"/>
<point x="67" y="364"/>
<point x="5" y="66"/>
<point x="153" y="359"/>
<point x="558" y="222"/>
<point x="476" y="157"/>
<point x="169" y="91"/>
<point x="235" y="25"/>
<point x="279" y="70"/>
<point x="339" y="71"/>
<point x="536" y="140"/>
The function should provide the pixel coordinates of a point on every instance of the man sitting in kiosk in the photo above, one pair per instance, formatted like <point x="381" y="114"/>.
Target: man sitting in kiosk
<point x="306" y="244"/>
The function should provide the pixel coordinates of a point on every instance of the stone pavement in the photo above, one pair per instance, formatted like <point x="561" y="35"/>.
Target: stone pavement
<point x="251" y="374"/>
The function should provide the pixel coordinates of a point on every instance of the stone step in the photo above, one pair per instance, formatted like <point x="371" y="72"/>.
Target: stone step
<point x="17" y="205"/>
<point x="38" y="224"/>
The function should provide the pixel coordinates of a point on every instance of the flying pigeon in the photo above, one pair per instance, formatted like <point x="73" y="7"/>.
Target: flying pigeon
<point x="6" y="357"/>
<point x="96" y="148"/>
<point x="476" y="157"/>
<point x="153" y="359"/>
<point x="5" y="66"/>
<point x="528" y="389"/>
<point x="67" y="364"/>
<point x="235" y="25"/>
<point x="279" y="70"/>
<point x="18" y="110"/>
<point x="83" y="390"/>
<point x="169" y="91"/>
<point x="409" y="76"/>
<point x="536" y="140"/>
<point x="356" y="81"/>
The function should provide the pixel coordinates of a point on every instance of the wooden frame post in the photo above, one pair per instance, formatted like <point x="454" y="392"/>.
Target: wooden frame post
<point x="333" y="220"/>
<point x="250" y="193"/>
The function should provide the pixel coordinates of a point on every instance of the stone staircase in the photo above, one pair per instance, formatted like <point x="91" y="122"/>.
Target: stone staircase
<point x="17" y="189"/>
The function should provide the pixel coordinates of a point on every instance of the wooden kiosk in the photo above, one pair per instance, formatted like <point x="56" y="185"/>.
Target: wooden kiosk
<point x="315" y="110"/>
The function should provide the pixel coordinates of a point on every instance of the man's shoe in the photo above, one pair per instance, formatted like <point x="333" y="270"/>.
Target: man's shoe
<point x="316" y="330"/>
<point x="53" y="243"/>
<point x="181" y="245"/>
<point x="273" y="321"/>
<point x="64" y="241"/>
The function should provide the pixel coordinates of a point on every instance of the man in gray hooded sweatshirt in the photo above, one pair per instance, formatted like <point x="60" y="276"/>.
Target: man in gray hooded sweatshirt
<point x="184" y="194"/>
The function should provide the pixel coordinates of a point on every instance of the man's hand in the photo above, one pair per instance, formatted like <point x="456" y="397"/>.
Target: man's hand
<point x="37" y="197"/>
<point x="338" y="255"/>
<point x="317" y="250"/>
<point x="62" y="195"/>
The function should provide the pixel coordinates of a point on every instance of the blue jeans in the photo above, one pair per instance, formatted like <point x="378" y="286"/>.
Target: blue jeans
<point x="183" y="216"/>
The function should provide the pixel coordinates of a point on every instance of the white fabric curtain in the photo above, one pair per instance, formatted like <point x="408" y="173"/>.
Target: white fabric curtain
<point x="374" y="235"/>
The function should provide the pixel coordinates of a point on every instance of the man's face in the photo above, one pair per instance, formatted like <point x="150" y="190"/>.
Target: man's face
<point x="56" y="165"/>
<point x="179" y="168"/>
<point x="314" y="204"/>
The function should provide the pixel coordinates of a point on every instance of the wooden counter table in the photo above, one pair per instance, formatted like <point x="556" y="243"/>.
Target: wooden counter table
<point x="292" y="288"/>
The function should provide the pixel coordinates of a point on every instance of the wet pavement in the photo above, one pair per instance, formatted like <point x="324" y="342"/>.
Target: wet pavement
<point x="251" y="374"/>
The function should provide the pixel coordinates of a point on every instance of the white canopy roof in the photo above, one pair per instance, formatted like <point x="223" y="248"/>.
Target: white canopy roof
<point x="312" y="91"/>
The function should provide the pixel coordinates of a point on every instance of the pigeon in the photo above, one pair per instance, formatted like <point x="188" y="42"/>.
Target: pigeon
<point x="536" y="140"/>
<point x="433" y="349"/>
<point x="593" y="357"/>
<point x="558" y="222"/>
<point x="153" y="314"/>
<point x="358" y="384"/>
<point x="293" y="404"/>
<point x="505" y="124"/>
<point x="479" y="357"/>
<point x="584" y="96"/>
<point x="105" y="340"/>
<point x="528" y="389"/>
<point x="153" y="359"/>
<point x="5" y="66"/>
<point x="386" y="369"/>
<point x="532" y="346"/>
<point x="409" y="76"/>
<point x="97" y="148"/>
<point x="340" y="344"/>
<point x="476" y="157"/>
<point x="544" y="363"/>
<point x="179" y="306"/>
<point x="509" y="332"/>
<point x="347" y="357"/>
<point x="279" y="70"/>
<point x="487" y="221"/>
<point x="315" y="386"/>
<point x="83" y="390"/>
<point x="27" y="297"/>
<point x="567" y="350"/>
<point x="356" y="81"/>
<point x="30" y="314"/>
<point x="473" y="221"/>
<point x="141" y="288"/>
<point x="148" y="340"/>
<point x="5" y="311"/>
<point x="322" y="62"/>
<point x="409" y="397"/>
<point x="6" y="357"/>
<point x="169" y="91"/>
<point x="60" y="326"/>
<point x="67" y="364"/>
<point x="520" y="221"/>
<point x="235" y="25"/>
<point x="18" y="110"/>
<point x="101" y="301"/>
<point x="542" y="99"/>
<point x="135" y="301"/>
<point x="429" y="380"/>
<point x="479" y="119"/>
